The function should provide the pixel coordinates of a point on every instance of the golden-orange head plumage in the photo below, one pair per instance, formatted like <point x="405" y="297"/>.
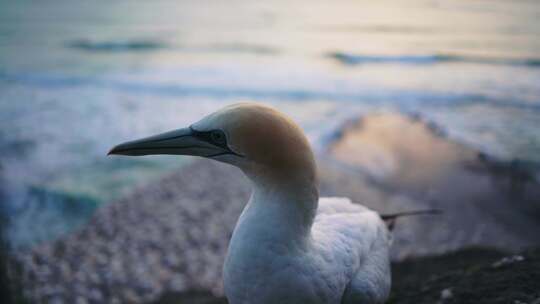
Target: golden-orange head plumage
<point x="268" y="139"/>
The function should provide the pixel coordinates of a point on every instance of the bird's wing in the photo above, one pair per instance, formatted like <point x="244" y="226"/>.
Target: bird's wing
<point x="330" y="205"/>
<point x="358" y="241"/>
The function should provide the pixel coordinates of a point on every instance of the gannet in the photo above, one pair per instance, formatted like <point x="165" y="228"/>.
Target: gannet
<point x="289" y="245"/>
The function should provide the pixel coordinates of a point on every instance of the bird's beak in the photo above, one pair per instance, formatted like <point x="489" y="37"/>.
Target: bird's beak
<point x="178" y="142"/>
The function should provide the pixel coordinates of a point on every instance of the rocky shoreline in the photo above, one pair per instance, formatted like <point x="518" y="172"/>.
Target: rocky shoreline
<point x="166" y="241"/>
<point x="485" y="201"/>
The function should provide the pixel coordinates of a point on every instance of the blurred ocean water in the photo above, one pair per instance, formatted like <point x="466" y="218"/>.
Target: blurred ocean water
<point x="77" y="78"/>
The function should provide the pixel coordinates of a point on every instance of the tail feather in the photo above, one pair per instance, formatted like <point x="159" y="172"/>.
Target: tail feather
<point x="390" y="219"/>
<point x="409" y="213"/>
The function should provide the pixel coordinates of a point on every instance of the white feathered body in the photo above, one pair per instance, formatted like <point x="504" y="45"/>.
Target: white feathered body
<point x="341" y="259"/>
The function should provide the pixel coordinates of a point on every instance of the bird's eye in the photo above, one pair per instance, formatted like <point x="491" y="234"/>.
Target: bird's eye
<point x="217" y="137"/>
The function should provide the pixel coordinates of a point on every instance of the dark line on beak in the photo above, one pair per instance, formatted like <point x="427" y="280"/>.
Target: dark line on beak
<point x="225" y="153"/>
<point x="169" y="138"/>
<point x="156" y="148"/>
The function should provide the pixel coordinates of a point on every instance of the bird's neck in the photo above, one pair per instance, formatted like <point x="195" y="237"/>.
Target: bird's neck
<point x="275" y="224"/>
<point x="283" y="208"/>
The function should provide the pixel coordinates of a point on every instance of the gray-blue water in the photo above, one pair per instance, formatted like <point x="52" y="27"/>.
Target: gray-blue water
<point x="78" y="77"/>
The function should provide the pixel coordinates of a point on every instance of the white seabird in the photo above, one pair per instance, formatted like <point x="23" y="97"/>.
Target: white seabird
<point x="289" y="245"/>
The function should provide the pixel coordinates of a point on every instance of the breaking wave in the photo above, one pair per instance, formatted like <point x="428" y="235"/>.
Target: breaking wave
<point x="353" y="59"/>
<point x="115" y="46"/>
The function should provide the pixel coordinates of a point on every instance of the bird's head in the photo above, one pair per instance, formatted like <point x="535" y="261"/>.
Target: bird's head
<point x="258" y="139"/>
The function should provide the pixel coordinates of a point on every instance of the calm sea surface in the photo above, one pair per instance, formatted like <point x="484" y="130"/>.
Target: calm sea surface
<point x="78" y="77"/>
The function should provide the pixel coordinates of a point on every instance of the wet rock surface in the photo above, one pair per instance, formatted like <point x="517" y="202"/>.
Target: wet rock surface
<point x="468" y="276"/>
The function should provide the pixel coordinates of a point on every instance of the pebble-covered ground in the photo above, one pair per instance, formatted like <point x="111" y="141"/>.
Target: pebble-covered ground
<point x="170" y="237"/>
<point x="167" y="236"/>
